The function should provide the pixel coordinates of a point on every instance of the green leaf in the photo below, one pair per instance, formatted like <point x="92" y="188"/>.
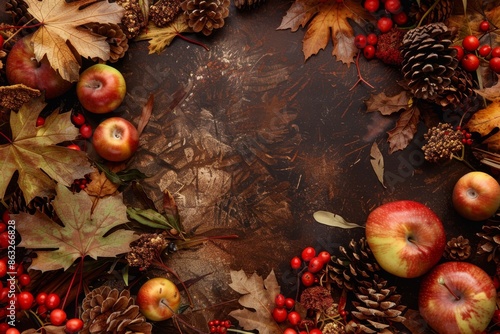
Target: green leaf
<point x="84" y="232"/>
<point x="151" y="218"/>
<point x="34" y="153"/>
<point x="331" y="219"/>
<point x="122" y="177"/>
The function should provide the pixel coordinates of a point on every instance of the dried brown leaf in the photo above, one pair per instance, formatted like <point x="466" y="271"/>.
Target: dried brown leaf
<point x="484" y="122"/>
<point x="377" y="162"/>
<point x="491" y="93"/>
<point x="405" y="129"/>
<point x="160" y="38"/>
<point x="147" y="110"/>
<point x="14" y="96"/>
<point x="388" y="105"/>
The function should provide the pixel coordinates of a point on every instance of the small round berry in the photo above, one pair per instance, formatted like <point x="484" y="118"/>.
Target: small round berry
<point x="289" y="331"/>
<point x="3" y="227"/>
<point x="460" y="52"/>
<point x="279" y="314"/>
<point x="25" y="300"/>
<point x="279" y="300"/>
<point x="86" y="131"/>
<point x="372" y="38"/>
<point x="78" y="119"/>
<point x="393" y="6"/>
<point x="40" y="121"/>
<point x="484" y="50"/>
<point x="12" y="330"/>
<point x="295" y="262"/>
<point x="384" y="24"/>
<point x="74" y="147"/>
<point x="41" y="297"/>
<point x="3" y="327"/>
<point x="307" y="278"/>
<point x="369" y="52"/>
<point x="484" y="26"/>
<point x="324" y="256"/>
<point x="1" y="42"/>
<point x="470" y="62"/>
<point x="470" y="43"/>
<point x="52" y="301"/>
<point x="315" y="331"/>
<point x="495" y="52"/>
<point x="74" y="325"/>
<point x="400" y="18"/>
<point x="372" y="5"/>
<point x="315" y="265"/>
<point x="294" y="318"/>
<point x="360" y="41"/>
<point x="289" y="303"/>
<point x="24" y="279"/>
<point x="308" y="253"/>
<point x="57" y="317"/>
<point x="495" y="64"/>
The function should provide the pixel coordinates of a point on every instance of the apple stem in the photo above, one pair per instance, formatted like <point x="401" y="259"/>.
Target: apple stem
<point x="192" y="41"/>
<point x="442" y="282"/>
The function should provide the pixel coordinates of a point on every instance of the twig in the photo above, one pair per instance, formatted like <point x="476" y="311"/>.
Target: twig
<point x="360" y="77"/>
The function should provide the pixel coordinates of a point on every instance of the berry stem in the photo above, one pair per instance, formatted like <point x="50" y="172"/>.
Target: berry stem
<point x="431" y="8"/>
<point x="360" y="77"/>
<point x="462" y="159"/>
<point x="79" y="268"/>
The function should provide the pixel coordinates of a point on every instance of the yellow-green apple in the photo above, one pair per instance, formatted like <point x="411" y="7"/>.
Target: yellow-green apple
<point x="22" y="67"/>
<point x="158" y="299"/>
<point x="115" y="139"/>
<point x="406" y="237"/>
<point x="101" y="88"/>
<point x="476" y="196"/>
<point x="457" y="298"/>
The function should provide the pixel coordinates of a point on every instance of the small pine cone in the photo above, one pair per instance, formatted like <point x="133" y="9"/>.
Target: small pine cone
<point x="440" y="13"/>
<point x="135" y="17"/>
<point x="442" y="142"/>
<point x="18" y="10"/>
<point x="428" y="60"/>
<point x="116" y="38"/>
<point x="457" y="249"/>
<point x="378" y="305"/>
<point x="109" y="311"/>
<point x="356" y="263"/>
<point x="248" y="4"/>
<point x="334" y="328"/>
<point x="16" y="203"/>
<point x="490" y="241"/>
<point x="164" y="11"/>
<point x="205" y="15"/>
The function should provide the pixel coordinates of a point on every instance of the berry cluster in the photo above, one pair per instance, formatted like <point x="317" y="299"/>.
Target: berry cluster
<point x="80" y="122"/>
<point x="466" y="136"/>
<point x="309" y="263"/>
<point x="284" y="311"/>
<point x="471" y="53"/>
<point x="219" y="326"/>
<point x="79" y="184"/>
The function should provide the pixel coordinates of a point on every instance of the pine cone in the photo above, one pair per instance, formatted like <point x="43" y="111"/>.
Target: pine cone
<point x="429" y="62"/>
<point x="440" y="13"/>
<point x="116" y="38"/>
<point x="457" y="249"/>
<point x="205" y="15"/>
<point x="18" y="10"/>
<point x="442" y="142"/>
<point x="135" y="17"/>
<point x="334" y="328"/>
<point x="107" y="310"/>
<point x="356" y="263"/>
<point x="490" y="242"/>
<point x="378" y="305"/>
<point x="16" y="204"/>
<point x="248" y="4"/>
<point x="164" y="11"/>
<point x="459" y="92"/>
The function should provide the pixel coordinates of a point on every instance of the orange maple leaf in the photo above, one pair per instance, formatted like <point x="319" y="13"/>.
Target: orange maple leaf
<point x="327" y="20"/>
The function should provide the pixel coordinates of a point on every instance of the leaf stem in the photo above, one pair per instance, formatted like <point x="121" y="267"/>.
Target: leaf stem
<point x="360" y="77"/>
<point x="7" y="138"/>
<point x="192" y="41"/>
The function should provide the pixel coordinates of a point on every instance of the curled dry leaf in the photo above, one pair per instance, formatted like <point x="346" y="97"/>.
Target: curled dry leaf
<point x="334" y="220"/>
<point x="406" y="127"/>
<point x="485" y="122"/>
<point x="388" y="105"/>
<point x="491" y="93"/>
<point x="377" y="161"/>
<point x="14" y="96"/>
<point x="147" y="110"/>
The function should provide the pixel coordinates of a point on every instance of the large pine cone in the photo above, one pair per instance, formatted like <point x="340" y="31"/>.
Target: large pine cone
<point x="439" y="13"/>
<point x="109" y="311"/>
<point x="355" y="263"/>
<point x="205" y="15"/>
<point x="459" y="92"/>
<point x="429" y="62"/>
<point x="116" y="38"/>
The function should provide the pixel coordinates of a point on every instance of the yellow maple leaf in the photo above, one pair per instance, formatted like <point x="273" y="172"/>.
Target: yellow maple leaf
<point x="326" y="21"/>
<point x="60" y="22"/>
<point x="161" y="37"/>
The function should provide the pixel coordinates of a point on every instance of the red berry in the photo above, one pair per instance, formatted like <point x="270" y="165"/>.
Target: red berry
<point x="484" y="26"/>
<point x="12" y="330"/>
<point x="279" y="300"/>
<point x="289" y="303"/>
<point x="384" y="24"/>
<point x="25" y="300"/>
<point x="495" y="64"/>
<point x="57" y="317"/>
<point x="308" y="253"/>
<point x="315" y="265"/>
<point x="495" y="52"/>
<point x="41" y="297"/>
<point x="86" y="131"/>
<point x="470" y="62"/>
<point x="393" y="6"/>
<point x="3" y="268"/>
<point x="324" y="256"/>
<point x="295" y="262"/>
<point x="372" y="39"/>
<point x="372" y="5"/>
<point x="1" y="42"/>
<point x="315" y="331"/>
<point x="279" y="314"/>
<point x="3" y="227"/>
<point x="52" y="301"/>
<point x="294" y="318"/>
<point x="400" y="18"/>
<point x="289" y="331"/>
<point x="460" y="52"/>
<point x="307" y="278"/>
<point x="74" y="325"/>
<point x="484" y="50"/>
<point x="42" y="311"/>
<point x="3" y="327"/>
<point x="360" y="41"/>
<point x="4" y="239"/>
<point x="24" y="279"/>
<point x="369" y="52"/>
<point x="40" y="121"/>
<point x="78" y="119"/>
<point x="470" y="43"/>
<point x="74" y="147"/>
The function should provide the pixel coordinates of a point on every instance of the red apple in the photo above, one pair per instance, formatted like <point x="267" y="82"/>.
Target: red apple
<point x="115" y="139"/>
<point x="158" y="299"/>
<point x="476" y="196"/>
<point x="22" y="68"/>
<point x="101" y="88"/>
<point x="457" y="297"/>
<point x="406" y="237"/>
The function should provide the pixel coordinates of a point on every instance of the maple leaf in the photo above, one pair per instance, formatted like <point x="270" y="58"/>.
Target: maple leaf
<point x="60" y="22"/>
<point x="328" y="20"/>
<point x="160" y="38"/>
<point x="387" y="105"/>
<point x="405" y="129"/>
<point x="83" y="234"/>
<point x="491" y="93"/>
<point x="34" y="153"/>
<point x="258" y="300"/>
<point x="485" y="121"/>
